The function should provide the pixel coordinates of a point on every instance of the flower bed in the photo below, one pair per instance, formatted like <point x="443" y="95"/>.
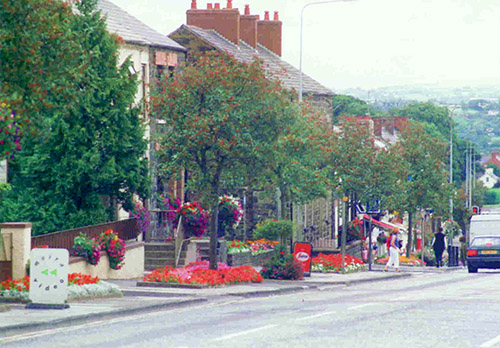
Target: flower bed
<point x="403" y="260"/>
<point x="197" y="273"/>
<point x="79" y="286"/>
<point x="255" y="247"/>
<point x="333" y="263"/>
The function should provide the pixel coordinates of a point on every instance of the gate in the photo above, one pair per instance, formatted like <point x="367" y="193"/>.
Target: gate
<point x="5" y="270"/>
<point x="160" y="230"/>
<point x="5" y="256"/>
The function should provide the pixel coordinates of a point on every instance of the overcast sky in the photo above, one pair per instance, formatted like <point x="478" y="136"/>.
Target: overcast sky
<point x="371" y="43"/>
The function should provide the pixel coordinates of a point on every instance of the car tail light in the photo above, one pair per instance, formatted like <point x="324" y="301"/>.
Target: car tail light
<point x="471" y="252"/>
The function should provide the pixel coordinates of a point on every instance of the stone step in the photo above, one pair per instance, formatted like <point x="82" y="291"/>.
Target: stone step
<point x="159" y="254"/>
<point x="154" y="263"/>
<point x="159" y="247"/>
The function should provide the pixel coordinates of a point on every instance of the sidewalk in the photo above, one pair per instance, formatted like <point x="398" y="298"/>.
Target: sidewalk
<point x="146" y="299"/>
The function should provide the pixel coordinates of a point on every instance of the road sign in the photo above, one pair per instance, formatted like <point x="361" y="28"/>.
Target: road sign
<point x="303" y="253"/>
<point x="49" y="277"/>
<point x="368" y="208"/>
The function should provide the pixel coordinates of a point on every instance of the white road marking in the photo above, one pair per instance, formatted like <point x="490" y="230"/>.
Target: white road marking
<point x="246" y="332"/>
<point x="317" y="315"/>
<point x="110" y="321"/>
<point x="491" y="343"/>
<point x="362" y="305"/>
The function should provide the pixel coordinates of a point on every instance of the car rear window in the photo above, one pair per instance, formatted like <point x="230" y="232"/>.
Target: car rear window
<point x="486" y="241"/>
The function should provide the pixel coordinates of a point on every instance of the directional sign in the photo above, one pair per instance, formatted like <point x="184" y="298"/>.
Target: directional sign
<point x="49" y="276"/>
<point x="303" y="253"/>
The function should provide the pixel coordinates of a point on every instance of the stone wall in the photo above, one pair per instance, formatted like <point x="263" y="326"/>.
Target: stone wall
<point x="247" y="258"/>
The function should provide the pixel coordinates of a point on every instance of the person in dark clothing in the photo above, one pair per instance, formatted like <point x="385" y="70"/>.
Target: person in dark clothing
<point x="439" y="245"/>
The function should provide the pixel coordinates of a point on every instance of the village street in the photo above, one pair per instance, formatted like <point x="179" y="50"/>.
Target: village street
<point x="447" y="309"/>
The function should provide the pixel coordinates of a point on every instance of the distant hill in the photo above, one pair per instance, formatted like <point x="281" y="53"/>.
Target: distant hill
<point x="478" y="118"/>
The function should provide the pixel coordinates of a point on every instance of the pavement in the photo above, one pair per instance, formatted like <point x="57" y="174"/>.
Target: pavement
<point x="141" y="299"/>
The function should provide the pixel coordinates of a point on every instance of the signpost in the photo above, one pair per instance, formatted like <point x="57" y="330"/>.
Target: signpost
<point x="302" y="252"/>
<point x="48" y="279"/>
<point x="369" y="209"/>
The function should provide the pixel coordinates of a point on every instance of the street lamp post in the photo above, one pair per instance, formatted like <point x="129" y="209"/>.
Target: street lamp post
<point x="301" y="27"/>
<point x="451" y="159"/>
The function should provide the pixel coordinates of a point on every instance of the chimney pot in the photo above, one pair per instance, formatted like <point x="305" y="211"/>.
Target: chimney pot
<point x="229" y="4"/>
<point x="247" y="10"/>
<point x="266" y="15"/>
<point x="217" y="6"/>
<point x="209" y="6"/>
<point x="193" y="5"/>
<point x="276" y="16"/>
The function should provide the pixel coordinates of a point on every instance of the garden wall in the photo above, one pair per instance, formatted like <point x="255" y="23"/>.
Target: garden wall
<point x="241" y="259"/>
<point x="132" y="268"/>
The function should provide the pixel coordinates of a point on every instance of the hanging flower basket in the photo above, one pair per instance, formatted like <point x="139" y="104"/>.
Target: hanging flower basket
<point x="230" y="212"/>
<point x="194" y="219"/>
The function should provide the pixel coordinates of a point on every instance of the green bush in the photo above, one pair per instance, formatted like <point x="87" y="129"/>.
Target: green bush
<point x="492" y="196"/>
<point x="275" y="230"/>
<point x="282" y="266"/>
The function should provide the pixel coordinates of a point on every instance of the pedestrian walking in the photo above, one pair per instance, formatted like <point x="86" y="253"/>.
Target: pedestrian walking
<point x="439" y="245"/>
<point x="393" y="250"/>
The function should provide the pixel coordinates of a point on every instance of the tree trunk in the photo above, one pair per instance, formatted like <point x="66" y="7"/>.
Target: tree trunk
<point x="250" y="214"/>
<point x="213" y="236"/>
<point x="283" y="201"/>
<point x="408" y="245"/>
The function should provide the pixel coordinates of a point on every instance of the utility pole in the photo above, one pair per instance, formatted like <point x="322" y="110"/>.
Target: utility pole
<point x="344" y="231"/>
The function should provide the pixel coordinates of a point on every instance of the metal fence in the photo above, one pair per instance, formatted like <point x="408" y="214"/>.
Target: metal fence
<point x="160" y="230"/>
<point x="126" y="230"/>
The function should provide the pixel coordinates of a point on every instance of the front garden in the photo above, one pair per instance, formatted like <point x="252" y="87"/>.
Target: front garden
<point x="80" y="286"/>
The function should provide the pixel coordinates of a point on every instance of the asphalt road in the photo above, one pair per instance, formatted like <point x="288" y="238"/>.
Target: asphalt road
<point x="432" y="310"/>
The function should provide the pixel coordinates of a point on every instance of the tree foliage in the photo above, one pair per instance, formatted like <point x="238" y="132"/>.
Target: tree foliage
<point x="360" y="167"/>
<point x="85" y="148"/>
<point x="346" y="105"/>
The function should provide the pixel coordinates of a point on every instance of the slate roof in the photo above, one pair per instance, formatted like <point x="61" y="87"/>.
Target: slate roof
<point x="132" y="30"/>
<point x="287" y="73"/>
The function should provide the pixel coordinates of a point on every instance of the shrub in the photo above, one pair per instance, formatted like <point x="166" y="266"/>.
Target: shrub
<point x="87" y="248"/>
<point x="275" y="230"/>
<point x="282" y="266"/>
<point x="114" y="247"/>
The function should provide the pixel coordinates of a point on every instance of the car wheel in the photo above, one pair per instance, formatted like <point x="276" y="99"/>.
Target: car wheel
<point x="472" y="269"/>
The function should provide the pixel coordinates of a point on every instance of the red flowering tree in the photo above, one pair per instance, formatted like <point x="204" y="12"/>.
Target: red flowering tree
<point x="303" y="158"/>
<point x="422" y="176"/>
<point x="220" y="116"/>
<point x="360" y="167"/>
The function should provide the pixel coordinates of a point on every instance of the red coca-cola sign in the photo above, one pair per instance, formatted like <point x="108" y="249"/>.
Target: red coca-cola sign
<point x="302" y="251"/>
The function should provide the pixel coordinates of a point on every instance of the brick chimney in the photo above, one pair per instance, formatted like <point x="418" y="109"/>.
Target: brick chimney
<point x="248" y="27"/>
<point x="225" y="21"/>
<point x="269" y="33"/>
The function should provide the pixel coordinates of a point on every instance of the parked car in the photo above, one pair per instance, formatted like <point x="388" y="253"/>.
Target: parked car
<point x="483" y="252"/>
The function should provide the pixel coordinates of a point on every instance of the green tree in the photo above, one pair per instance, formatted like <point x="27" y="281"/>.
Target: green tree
<point x="86" y="156"/>
<point x="347" y="105"/>
<point x="359" y="166"/>
<point x="422" y="177"/>
<point x="221" y="115"/>
<point x="303" y="158"/>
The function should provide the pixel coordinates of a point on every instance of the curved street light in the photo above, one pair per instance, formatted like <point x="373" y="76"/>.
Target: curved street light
<point x="301" y="27"/>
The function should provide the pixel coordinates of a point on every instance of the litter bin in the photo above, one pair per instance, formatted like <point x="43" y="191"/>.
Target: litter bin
<point x="453" y="252"/>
